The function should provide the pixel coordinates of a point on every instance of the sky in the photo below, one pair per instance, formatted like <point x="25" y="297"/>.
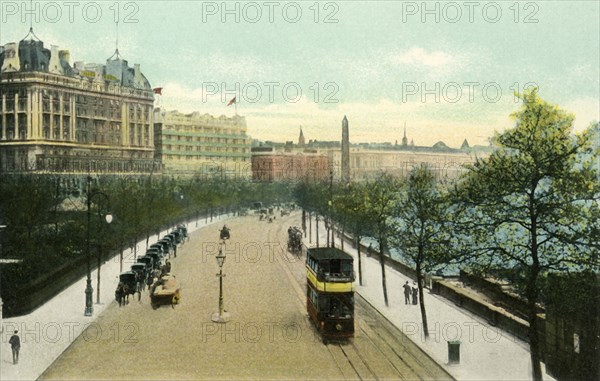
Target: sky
<point x="447" y="70"/>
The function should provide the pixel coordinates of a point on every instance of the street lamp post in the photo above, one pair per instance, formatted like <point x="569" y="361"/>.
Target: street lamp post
<point x="108" y="218"/>
<point x="1" y="303"/>
<point x="89" y="308"/>
<point x="221" y="316"/>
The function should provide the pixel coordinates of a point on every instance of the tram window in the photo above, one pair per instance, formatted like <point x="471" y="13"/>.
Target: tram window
<point x="346" y="311"/>
<point x="312" y="264"/>
<point x="323" y="303"/>
<point x="334" y="266"/>
<point x="313" y="297"/>
<point x="336" y="308"/>
<point x="347" y="267"/>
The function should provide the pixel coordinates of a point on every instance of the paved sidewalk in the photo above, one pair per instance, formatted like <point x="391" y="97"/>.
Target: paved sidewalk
<point x="486" y="352"/>
<point x="49" y="330"/>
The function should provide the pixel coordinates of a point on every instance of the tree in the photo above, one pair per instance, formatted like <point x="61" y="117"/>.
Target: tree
<point x="313" y="197"/>
<point x="381" y="201"/>
<point x="536" y="199"/>
<point x="422" y="228"/>
<point x="351" y="204"/>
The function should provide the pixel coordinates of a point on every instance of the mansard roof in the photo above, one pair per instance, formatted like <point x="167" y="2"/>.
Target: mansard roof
<point x="30" y="55"/>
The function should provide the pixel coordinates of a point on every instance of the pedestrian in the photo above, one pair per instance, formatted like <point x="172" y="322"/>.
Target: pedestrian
<point x="415" y="293"/>
<point x="407" y="292"/>
<point x="370" y="250"/>
<point x="15" y="344"/>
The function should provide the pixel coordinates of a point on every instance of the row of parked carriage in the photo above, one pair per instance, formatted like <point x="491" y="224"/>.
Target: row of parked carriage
<point x="151" y="269"/>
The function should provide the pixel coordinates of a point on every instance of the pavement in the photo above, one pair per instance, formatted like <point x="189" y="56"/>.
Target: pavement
<point x="49" y="330"/>
<point x="486" y="352"/>
<point x="268" y="336"/>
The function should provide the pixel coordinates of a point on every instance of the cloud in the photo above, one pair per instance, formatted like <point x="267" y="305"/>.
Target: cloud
<point x="418" y="63"/>
<point x="420" y="57"/>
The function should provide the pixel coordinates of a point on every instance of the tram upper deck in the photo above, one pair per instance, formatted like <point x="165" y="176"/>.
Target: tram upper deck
<point x="330" y="269"/>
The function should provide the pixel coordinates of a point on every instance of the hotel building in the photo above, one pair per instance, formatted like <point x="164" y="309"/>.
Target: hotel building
<point x="202" y="145"/>
<point x="85" y="118"/>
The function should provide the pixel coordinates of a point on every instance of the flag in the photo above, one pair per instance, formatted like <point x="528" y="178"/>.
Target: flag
<point x="157" y="90"/>
<point x="232" y="101"/>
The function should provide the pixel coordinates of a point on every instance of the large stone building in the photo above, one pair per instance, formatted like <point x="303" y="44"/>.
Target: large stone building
<point x="269" y="164"/>
<point x="58" y="118"/>
<point x="367" y="163"/>
<point x="361" y="163"/>
<point x="201" y="145"/>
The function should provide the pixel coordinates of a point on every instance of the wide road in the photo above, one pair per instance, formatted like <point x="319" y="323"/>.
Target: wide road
<point x="269" y="335"/>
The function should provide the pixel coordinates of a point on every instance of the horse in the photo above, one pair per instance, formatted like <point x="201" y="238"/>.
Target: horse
<point x="120" y="294"/>
<point x="126" y="292"/>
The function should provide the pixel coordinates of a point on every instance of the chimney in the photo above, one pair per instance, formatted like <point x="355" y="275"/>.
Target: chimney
<point x="64" y="55"/>
<point x="11" y="58"/>
<point x="54" y="65"/>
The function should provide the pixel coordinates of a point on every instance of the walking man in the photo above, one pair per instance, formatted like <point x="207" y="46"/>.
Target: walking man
<point x="15" y="344"/>
<point x="415" y="293"/>
<point x="407" y="292"/>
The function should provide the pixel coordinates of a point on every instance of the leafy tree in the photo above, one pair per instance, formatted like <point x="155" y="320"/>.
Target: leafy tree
<point x="351" y="206"/>
<point x="380" y="203"/>
<point x="536" y="198"/>
<point x="422" y="227"/>
<point x="313" y="196"/>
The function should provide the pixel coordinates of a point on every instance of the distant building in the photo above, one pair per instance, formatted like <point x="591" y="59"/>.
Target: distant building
<point x="58" y="118"/>
<point x="301" y="141"/>
<point x="364" y="161"/>
<point x="404" y="138"/>
<point x="269" y="164"/>
<point x="357" y="162"/>
<point x="367" y="163"/>
<point x="202" y="145"/>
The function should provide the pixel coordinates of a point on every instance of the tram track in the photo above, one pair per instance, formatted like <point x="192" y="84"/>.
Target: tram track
<point x="379" y="350"/>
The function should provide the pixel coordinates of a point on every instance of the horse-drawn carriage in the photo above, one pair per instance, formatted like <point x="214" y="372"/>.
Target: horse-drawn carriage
<point x="141" y="274"/>
<point x="182" y="232"/>
<point x="294" y="243"/>
<point x="165" y="291"/>
<point x="128" y="285"/>
<point x="224" y="233"/>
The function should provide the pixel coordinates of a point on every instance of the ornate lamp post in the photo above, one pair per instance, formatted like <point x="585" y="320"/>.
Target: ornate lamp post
<point x="221" y="316"/>
<point x="89" y="308"/>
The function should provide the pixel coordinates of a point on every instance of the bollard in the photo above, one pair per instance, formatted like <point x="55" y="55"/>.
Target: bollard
<point x="453" y="351"/>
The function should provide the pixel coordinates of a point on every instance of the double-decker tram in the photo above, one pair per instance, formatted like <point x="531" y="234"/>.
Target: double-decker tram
<point x="329" y="292"/>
